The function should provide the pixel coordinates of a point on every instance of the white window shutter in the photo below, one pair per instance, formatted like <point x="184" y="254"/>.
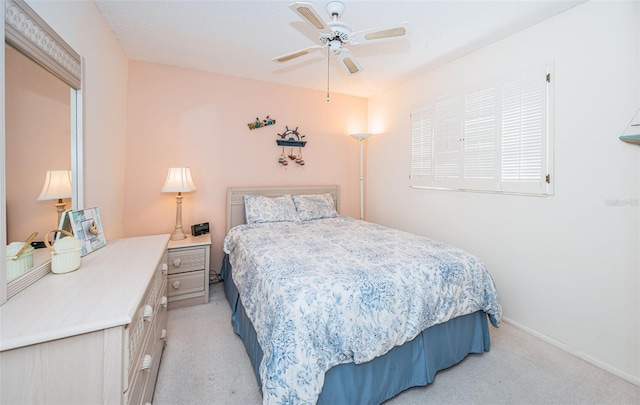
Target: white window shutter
<point x="524" y="133"/>
<point x="421" y="145"/>
<point x="480" y="139"/>
<point x="497" y="137"/>
<point x="448" y="142"/>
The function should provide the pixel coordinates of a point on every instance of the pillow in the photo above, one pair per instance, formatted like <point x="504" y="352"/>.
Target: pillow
<point x="259" y="209"/>
<point x="315" y="206"/>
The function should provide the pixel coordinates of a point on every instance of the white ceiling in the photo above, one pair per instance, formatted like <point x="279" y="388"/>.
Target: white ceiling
<point x="240" y="38"/>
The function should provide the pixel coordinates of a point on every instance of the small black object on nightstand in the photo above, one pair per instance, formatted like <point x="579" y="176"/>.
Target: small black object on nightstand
<point x="200" y="229"/>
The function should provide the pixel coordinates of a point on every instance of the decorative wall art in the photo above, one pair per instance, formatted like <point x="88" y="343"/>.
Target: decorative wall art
<point x="292" y="139"/>
<point x="259" y="124"/>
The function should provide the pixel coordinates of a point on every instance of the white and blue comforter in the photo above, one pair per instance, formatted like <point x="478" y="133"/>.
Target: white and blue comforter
<point x="331" y="291"/>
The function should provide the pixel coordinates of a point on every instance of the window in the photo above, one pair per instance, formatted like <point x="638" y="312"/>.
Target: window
<point x="493" y="137"/>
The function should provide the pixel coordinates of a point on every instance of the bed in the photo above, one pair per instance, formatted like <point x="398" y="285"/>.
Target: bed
<point x="333" y="310"/>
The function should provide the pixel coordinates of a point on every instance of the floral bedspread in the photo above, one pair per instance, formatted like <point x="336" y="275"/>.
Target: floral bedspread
<point x="331" y="291"/>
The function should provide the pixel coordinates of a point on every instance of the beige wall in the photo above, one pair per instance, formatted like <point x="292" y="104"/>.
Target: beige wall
<point x="37" y="139"/>
<point x="182" y="117"/>
<point x="567" y="266"/>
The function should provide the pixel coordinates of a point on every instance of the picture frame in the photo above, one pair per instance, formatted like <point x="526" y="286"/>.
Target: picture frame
<point x="87" y="227"/>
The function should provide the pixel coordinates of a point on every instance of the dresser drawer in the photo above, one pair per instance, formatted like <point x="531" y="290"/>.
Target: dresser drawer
<point x="159" y="336"/>
<point x="136" y="387"/>
<point x="184" y="260"/>
<point x="145" y="320"/>
<point x="145" y="370"/>
<point x="186" y="283"/>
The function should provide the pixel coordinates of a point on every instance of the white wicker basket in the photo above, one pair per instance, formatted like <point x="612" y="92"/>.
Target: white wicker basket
<point x="19" y="259"/>
<point x="65" y="253"/>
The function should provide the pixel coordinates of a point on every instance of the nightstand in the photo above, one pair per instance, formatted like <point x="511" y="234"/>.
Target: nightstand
<point x="188" y="282"/>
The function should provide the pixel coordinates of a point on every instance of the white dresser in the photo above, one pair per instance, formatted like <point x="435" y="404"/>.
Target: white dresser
<point x="92" y="336"/>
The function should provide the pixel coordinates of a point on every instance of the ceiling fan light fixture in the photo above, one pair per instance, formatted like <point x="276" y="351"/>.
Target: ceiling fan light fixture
<point x="393" y="32"/>
<point x="335" y="46"/>
<point x="337" y="33"/>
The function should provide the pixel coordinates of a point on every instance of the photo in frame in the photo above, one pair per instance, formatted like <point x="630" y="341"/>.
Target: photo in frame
<point x="87" y="228"/>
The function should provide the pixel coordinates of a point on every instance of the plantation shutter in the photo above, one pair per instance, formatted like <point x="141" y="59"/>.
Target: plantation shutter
<point x="524" y="133"/>
<point x="421" y="145"/>
<point x="490" y="138"/>
<point x="480" y="139"/>
<point x="447" y="141"/>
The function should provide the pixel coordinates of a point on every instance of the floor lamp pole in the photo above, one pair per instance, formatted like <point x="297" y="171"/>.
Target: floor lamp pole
<point x="361" y="180"/>
<point x="361" y="138"/>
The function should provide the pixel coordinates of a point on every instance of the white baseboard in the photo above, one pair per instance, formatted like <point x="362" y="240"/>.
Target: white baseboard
<point x="619" y="373"/>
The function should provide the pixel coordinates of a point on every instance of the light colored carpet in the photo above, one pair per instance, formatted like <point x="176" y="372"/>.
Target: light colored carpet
<point x="204" y="362"/>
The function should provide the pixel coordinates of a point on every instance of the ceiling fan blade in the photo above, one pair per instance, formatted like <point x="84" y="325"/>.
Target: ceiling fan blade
<point x="293" y="55"/>
<point x="348" y="62"/>
<point x="309" y="13"/>
<point x="380" y="34"/>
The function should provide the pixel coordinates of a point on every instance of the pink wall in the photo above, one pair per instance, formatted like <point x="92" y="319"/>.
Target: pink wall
<point x="37" y="139"/>
<point x="182" y="117"/>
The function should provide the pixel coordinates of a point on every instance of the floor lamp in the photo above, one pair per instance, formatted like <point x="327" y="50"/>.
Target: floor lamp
<point x="361" y="138"/>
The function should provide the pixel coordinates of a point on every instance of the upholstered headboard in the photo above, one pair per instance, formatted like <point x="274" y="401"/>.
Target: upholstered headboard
<point x="235" y="198"/>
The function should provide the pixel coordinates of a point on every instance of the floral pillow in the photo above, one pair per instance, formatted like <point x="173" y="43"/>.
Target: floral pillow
<point x="259" y="208"/>
<point x="315" y="206"/>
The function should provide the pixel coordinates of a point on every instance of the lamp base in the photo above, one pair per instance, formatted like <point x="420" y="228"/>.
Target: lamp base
<point x="178" y="235"/>
<point x="60" y="208"/>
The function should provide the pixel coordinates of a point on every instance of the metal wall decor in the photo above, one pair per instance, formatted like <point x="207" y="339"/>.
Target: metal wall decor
<point x="292" y="139"/>
<point x="259" y="124"/>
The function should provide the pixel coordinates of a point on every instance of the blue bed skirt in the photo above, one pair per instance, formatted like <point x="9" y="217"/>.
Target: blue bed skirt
<point x="415" y="363"/>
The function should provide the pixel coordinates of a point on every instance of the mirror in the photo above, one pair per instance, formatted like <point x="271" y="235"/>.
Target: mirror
<point x="37" y="128"/>
<point x="42" y="132"/>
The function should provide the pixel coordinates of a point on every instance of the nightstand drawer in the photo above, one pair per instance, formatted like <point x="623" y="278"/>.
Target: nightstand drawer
<point x="189" y="261"/>
<point x="184" y="260"/>
<point x="186" y="283"/>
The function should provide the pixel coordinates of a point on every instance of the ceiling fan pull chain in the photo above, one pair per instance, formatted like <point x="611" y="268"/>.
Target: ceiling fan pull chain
<point x="328" y="74"/>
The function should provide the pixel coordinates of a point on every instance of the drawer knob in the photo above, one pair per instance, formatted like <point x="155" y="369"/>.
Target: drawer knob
<point x="176" y="262"/>
<point x="147" y="313"/>
<point x="164" y="301"/>
<point x="147" y="360"/>
<point x="163" y="334"/>
<point x="176" y="284"/>
<point x="165" y="268"/>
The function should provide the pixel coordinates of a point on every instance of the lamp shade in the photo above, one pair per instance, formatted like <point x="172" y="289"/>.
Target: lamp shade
<point x="178" y="180"/>
<point x="57" y="185"/>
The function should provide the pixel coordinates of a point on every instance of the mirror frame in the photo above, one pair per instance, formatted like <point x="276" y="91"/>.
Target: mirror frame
<point x="26" y="31"/>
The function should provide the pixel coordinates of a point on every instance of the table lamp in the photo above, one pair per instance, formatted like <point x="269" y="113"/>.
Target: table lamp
<point x="57" y="186"/>
<point x="178" y="181"/>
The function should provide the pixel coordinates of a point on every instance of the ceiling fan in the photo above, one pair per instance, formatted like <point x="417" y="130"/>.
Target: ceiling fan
<point x="335" y="34"/>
